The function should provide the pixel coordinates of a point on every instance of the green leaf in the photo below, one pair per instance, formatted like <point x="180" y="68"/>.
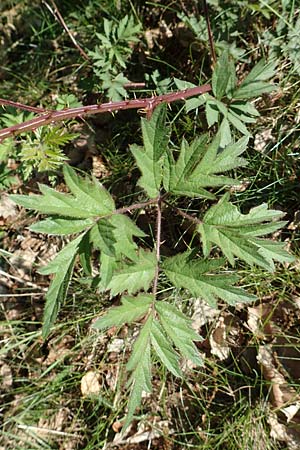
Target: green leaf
<point x="149" y="158"/>
<point x="90" y="199"/>
<point x="237" y="123"/>
<point x="55" y="296"/>
<point x="89" y="191"/>
<point x="60" y="227"/>
<point x="114" y="84"/>
<point x="62" y="258"/>
<point x="178" y="327"/>
<point x="140" y="365"/>
<point x="236" y="233"/>
<point x="107" y="266"/>
<point x="164" y="349"/>
<point x="85" y="254"/>
<point x="131" y="309"/>
<point x="212" y="113"/>
<point x="198" y="277"/>
<point x="124" y="231"/>
<point x="134" y="276"/>
<point x="255" y="83"/>
<point x="223" y="79"/>
<point x="103" y="238"/>
<point x="198" y="166"/>
<point x="62" y="266"/>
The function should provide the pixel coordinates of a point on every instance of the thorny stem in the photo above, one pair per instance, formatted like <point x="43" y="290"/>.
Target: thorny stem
<point x="148" y="104"/>
<point x="158" y="243"/>
<point x="210" y="36"/>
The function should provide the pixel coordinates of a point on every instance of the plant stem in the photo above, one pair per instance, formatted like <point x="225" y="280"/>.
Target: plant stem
<point x="183" y="214"/>
<point x="210" y="36"/>
<point x="21" y="106"/>
<point x="158" y="243"/>
<point x="148" y="104"/>
<point x="60" y="19"/>
<point x="135" y="206"/>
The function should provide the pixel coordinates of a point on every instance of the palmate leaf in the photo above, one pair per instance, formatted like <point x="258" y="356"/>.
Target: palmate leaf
<point x="199" y="166"/>
<point x="149" y="158"/>
<point x="178" y="327"/>
<point x="198" y="276"/>
<point x="134" y="276"/>
<point x="89" y="198"/>
<point x="131" y="309"/>
<point x="239" y="234"/>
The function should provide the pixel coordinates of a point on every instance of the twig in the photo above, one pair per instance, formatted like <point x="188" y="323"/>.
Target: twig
<point x="60" y="19"/>
<point x="148" y="104"/>
<point x="20" y="280"/>
<point x="183" y="214"/>
<point x="210" y="36"/>
<point x="21" y="106"/>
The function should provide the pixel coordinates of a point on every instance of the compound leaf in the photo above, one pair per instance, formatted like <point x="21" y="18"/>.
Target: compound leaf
<point x="238" y="234"/>
<point x="198" y="276"/>
<point x="199" y="166"/>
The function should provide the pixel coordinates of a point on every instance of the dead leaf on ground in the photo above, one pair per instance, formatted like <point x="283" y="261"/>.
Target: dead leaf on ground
<point x="6" y="378"/>
<point x="90" y="384"/>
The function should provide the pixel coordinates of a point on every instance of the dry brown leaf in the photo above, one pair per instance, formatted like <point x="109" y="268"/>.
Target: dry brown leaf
<point x="90" y="384"/>
<point x="218" y="342"/>
<point x="5" y="376"/>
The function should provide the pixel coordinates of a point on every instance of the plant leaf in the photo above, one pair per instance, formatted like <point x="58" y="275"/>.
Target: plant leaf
<point x="223" y="79"/>
<point x="236" y="233"/>
<point x="149" y="158"/>
<point x="198" y="277"/>
<point x="62" y="266"/>
<point x="164" y="349"/>
<point x="199" y="166"/>
<point x="134" y="276"/>
<point x="178" y="327"/>
<point x="131" y="309"/>
<point x="124" y="231"/>
<point x="60" y="227"/>
<point x="90" y="199"/>
<point x="102" y="236"/>
<point x="256" y="83"/>
<point x="140" y="366"/>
